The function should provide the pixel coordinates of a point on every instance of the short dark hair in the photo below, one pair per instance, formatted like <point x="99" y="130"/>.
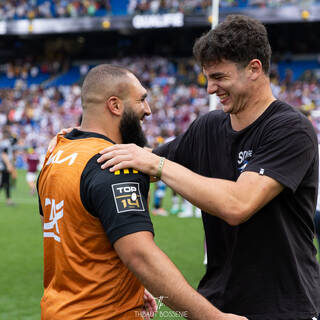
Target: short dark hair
<point x="238" y="39"/>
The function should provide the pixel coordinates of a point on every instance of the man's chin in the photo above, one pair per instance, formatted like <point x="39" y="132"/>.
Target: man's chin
<point x="227" y="108"/>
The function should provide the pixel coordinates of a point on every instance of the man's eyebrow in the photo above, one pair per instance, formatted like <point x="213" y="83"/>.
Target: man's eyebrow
<point x="144" y="96"/>
<point x="216" y="74"/>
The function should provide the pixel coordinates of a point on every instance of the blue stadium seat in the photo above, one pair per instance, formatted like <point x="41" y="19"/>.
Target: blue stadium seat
<point x="298" y="67"/>
<point x="5" y="82"/>
<point x="70" y="77"/>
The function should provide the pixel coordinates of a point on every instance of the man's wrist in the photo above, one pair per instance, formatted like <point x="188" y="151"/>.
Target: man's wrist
<point x="157" y="166"/>
<point x="160" y="166"/>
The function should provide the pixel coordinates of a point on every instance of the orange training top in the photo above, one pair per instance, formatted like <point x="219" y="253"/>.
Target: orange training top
<point x="83" y="276"/>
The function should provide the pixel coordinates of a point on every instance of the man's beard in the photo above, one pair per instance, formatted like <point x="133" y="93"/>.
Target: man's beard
<point x="130" y="128"/>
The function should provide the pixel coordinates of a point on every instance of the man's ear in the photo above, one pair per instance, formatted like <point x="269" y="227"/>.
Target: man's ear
<point x="255" y="68"/>
<point x="114" y="105"/>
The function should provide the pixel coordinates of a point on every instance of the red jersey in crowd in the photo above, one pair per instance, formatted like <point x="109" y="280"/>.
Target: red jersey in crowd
<point x="32" y="161"/>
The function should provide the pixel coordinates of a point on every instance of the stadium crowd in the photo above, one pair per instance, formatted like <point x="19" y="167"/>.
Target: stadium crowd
<point x="167" y="6"/>
<point x="176" y="94"/>
<point x="30" y="9"/>
<point x="199" y="6"/>
<point x="22" y="69"/>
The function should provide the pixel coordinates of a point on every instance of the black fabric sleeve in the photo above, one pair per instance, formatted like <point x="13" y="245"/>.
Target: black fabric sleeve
<point x="40" y="207"/>
<point x="119" y="199"/>
<point x="285" y="155"/>
<point x="180" y="149"/>
<point x="168" y="150"/>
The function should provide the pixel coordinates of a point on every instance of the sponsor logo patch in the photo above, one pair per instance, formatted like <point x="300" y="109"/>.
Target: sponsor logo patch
<point x="243" y="159"/>
<point x="127" y="196"/>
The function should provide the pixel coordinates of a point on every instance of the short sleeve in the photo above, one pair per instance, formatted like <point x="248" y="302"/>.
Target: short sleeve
<point x="119" y="200"/>
<point x="168" y="150"/>
<point x="180" y="149"/>
<point x="285" y="155"/>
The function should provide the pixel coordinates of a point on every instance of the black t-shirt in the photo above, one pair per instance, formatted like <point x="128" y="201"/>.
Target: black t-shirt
<point x="118" y="199"/>
<point x="266" y="267"/>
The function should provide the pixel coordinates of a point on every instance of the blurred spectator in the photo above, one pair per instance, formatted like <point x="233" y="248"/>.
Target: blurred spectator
<point x="8" y="172"/>
<point x="32" y="160"/>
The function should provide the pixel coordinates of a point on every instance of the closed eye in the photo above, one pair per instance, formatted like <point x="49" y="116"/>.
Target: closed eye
<point x="217" y="77"/>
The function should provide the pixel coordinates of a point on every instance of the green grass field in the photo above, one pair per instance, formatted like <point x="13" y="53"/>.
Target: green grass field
<point x="21" y="252"/>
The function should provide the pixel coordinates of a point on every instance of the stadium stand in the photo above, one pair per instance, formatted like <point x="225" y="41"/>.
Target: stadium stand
<point x="198" y="6"/>
<point x="30" y="9"/>
<point x="176" y="95"/>
<point x="69" y="77"/>
<point x="40" y="78"/>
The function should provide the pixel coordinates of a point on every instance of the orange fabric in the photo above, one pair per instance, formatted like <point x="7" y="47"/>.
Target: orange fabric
<point x="83" y="276"/>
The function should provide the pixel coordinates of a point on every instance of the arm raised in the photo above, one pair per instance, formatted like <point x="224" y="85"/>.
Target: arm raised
<point x="232" y="201"/>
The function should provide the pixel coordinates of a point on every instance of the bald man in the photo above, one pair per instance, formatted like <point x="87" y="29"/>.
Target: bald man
<point x="99" y="251"/>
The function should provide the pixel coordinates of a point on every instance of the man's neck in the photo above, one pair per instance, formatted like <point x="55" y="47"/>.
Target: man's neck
<point x="114" y="135"/>
<point x="248" y="116"/>
<point x="256" y="106"/>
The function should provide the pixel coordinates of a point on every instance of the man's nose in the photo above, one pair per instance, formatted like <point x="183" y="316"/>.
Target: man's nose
<point x="147" y="110"/>
<point x="211" y="87"/>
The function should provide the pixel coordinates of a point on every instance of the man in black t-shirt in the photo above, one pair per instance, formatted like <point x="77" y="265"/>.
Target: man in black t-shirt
<point x="253" y="170"/>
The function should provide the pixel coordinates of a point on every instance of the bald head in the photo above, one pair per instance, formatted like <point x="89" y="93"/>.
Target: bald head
<point x="102" y="82"/>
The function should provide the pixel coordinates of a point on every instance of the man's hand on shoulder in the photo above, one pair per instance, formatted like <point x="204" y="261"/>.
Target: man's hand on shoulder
<point x="122" y="156"/>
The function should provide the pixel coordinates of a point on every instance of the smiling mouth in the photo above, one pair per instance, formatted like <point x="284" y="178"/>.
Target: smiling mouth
<point x="223" y="97"/>
<point x="142" y="119"/>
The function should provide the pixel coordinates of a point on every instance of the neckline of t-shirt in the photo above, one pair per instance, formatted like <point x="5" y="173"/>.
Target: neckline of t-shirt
<point x="76" y="134"/>
<point x="255" y="122"/>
